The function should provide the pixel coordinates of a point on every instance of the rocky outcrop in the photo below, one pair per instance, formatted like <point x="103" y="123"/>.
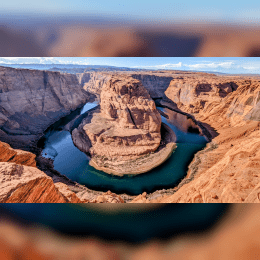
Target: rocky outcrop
<point x="193" y="93"/>
<point x="227" y="170"/>
<point x="123" y="134"/>
<point x="25" y="184"/>
<point x="93" y="82"/>
<point x="108" y="197"/>
<point x="21" y="181"/>
<point x="8" y="154"/>
<point x="31" y="100"/>
<point x="155" y="83"/>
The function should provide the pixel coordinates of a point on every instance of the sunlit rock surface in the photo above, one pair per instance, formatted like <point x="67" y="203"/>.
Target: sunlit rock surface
<point x="8" y="154"/>
<point x="123" y="134"/>
<point x="227" y="170"/>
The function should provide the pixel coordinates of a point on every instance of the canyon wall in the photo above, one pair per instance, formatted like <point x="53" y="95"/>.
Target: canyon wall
<point x="192" y="93"/>
<point x="31" y="100"/>
<point x="228" y="169"/>
<point x="155" y="83"/>
<point x="92" y="82"/>
<point x="22" y="182"/>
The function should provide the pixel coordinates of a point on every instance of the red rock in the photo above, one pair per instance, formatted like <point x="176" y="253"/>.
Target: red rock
<point x="8" y="154"/>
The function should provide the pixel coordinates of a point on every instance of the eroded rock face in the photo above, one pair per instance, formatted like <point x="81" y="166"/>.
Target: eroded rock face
<point x="155" y="83"/>
<point x="193" y="93"/>
<point x="128" y="123"/>
<point x="108" y="197"/>
<point x="21" y="181"/>
<point x="227" y="170"/>
<point x="127" y="127"/>
<point x="93" y="81"/>
<point x="8" y="154"/>
<point x="31" y="100"/>
<point x="26" y="184"/>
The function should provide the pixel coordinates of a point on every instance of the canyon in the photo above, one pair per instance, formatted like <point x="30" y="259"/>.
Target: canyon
<point x="223" y="108"/>
<point x="32" y="100"/>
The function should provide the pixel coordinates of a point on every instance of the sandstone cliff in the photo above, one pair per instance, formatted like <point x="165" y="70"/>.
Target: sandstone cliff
<point x="31" y="100"/>
<point x="227" y="170"/>
<point x="127" y="128"/>
<point x="7" y="154"/>
<point x="192" y="93"/>
<point x="93" y="82"/>
<point x="155" y="83"/>
<point x="21" y="181"/>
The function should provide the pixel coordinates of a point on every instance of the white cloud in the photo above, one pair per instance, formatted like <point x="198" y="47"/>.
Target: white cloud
<point x="212" y="65"/>
<point x="44" y="60"/>
<point x="230" y="65"/>
<point x="162" y="66"/>
<point x="254" y="66"/>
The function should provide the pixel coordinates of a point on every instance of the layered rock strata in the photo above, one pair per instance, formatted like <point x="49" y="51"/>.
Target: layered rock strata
<point x="227" y="170"/>
<point x="8" y="154"/>
<point x="31" y="100"/>
<point x="192" y="93"/>
<point x="26" y="184"/>
<point x="155" y="82"/>
<point x="124" y="135"/>
<point x="22" y="182"/>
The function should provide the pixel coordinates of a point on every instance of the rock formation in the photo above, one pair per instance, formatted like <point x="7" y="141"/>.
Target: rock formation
<point x="192" y="93"/>
<point x="123" y="135"/>
<point x="227" y="170"/>
<point x="28" y="184"/>
<point x="108" y="197"/>
<point x="22" y="182"/>
<point x="155" y="83"/>
<point x="8" y="154"/>
<point x="93" y="82"/>
<point x="31" y="100"/>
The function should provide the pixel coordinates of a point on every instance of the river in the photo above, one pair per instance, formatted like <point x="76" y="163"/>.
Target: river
<point x="70" y="161"/>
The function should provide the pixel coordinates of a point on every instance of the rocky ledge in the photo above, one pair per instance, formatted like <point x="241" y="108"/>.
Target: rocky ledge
<point x="125" y="135"/>
<point x="227" y="170"/>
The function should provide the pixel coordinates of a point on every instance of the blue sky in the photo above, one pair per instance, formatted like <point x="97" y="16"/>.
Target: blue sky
<point x="223" y="64"/>
<point x="221" y="10"/>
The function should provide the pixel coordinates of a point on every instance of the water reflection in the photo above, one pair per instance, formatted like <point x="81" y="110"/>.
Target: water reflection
<point x="183" y="127"/>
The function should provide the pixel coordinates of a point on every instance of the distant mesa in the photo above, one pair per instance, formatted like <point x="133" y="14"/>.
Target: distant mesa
<point x="125" y="136"/>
